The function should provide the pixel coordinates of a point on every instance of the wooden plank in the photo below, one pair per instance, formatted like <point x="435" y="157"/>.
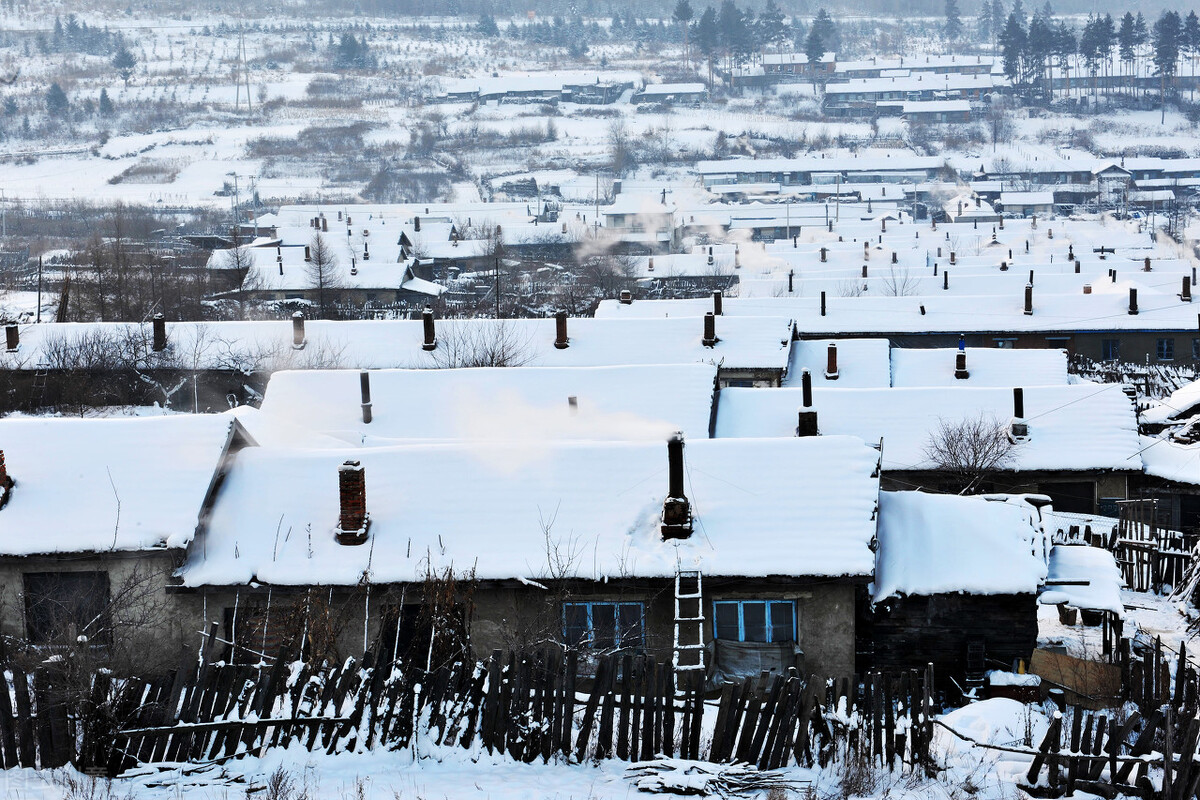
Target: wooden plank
<point x="1141" y="746"/>
<point x="604" y="735"/>
<point x="570" y="677"/>
<point x="589" y="710"/>
<point x="668" y="695"/>
<point x="8" y="733"/>
<point x="716" y="752"/>
<point x="623" y="718"/>
<point x="26" y="746"/>
<point x="649" y="708"/>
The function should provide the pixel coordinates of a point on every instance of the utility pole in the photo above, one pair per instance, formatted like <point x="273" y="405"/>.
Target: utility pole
<point x="496" y="276"/>
<point x="39" y="308"/>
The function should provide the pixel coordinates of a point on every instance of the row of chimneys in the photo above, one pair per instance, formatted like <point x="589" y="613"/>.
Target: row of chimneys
<point x="354" y="521"/>
<point x="12" y="335"/>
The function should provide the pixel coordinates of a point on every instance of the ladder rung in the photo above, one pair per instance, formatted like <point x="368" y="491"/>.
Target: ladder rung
<point x="688" y="596"/>
<point x="688" y="667"/>
<point x="689" y="619"/>
<point x="690" y="647"/>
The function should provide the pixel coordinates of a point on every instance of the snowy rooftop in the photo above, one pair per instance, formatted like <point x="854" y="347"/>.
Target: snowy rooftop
<point x="744" y="343"/>
<point x="766" y="507"/>
<point x="1106" y="308"/>
<point x="94" y="485"/>
<point x="988" y="366"/>
<point x="862" y="363"/>
<point x="1082" y="427"/>
<point x="532" y="404"/>
<point x="1073" y="563"/>
<point x="1170" y="460"/>
<point x="1179" y="403"/>
<point x="947" y="544"/>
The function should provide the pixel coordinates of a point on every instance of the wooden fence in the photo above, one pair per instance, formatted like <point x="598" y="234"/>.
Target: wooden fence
<point x="531" y="706"/>
<point x="1150" y="556"/>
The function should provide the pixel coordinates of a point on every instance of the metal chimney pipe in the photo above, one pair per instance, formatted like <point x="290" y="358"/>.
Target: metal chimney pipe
<point x="824" y="254"/>
<point x="1185" y="294"/>
<point x="677" y="511"/>
<point x="1133" y="309"/>
<point x="12" y="335"/>
<point x="298" y="330"/>
<point x="831" y="364"/>
<point x="1019" y="403"/>
<point x="945" y="279"/>
<point x="561" y="340"/>
<point x="1031" y="277"/>
<point x="717" y="308"/>
<point x="364" y="385"/>
<point x="1147" y="267"/>
<point x="1028" y="299"/>
<point x="430" y="334"/>
<point x="806" y="418"/>
<point x="710" y="330"/>
<point x="307" y="253"/>
<point x="625" y="298"/>
<point x="158" y="328"/>
<point x="822" y="304"/>
<point x="791" y="280"/>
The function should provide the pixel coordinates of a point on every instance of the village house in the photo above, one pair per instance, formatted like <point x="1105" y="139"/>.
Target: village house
<point x="95" y="516"/>
<point x="642" y="223"/>
<point x="580" y="543"/>
<point x="1077" y="444"/>
<point x="956" y="585"/>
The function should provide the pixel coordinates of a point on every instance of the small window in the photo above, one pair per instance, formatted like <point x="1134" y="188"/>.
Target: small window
<point x="1165" y="350"/>
<point x="755" y="620"/>
<point x="1005" y="344"/>
<point x="604" y="626"/>
<point x="1110" y="349"/>
<point x="62" y="605"/>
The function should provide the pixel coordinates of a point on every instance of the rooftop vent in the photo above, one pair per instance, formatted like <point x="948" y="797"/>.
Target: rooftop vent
<point x="1018" y="429"/>
<point x="677" y="511"/>
<point x="298" y="338"/>
<point x="430" y="342"/>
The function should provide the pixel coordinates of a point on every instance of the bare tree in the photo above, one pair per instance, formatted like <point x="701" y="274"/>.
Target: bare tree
<point x="323" y="276"/>
<point x="238" y="261"/>
<point x="481" y="343"/>
<point x="898" y="283"/>
<point x="970" y="450"/>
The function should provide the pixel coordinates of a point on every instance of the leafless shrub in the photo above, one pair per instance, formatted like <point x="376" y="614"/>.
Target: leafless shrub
<point x="970" y="450"/>
<point x="481" y="343"/>
<point x="898" y="283"/>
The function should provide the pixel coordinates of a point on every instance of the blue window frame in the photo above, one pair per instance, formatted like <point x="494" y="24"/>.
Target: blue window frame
<point x="1165" y="350"/>
<point x="755" y="620"/>
<point x="606" y="626"/>
<point x="1110" y="349"/>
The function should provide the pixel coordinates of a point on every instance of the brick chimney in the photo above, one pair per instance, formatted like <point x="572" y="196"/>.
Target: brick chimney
<point x="1147" y="267"/>
<point x="824" y="254"/>
<point x="717" y="298"/>
<point x="831" y="365"/>
<point x="710" y="330"/>
<point x="807" y="420"/>
<point x="12" y="334"/>
<point x="1133" y="308"/>
<point x="677" y="511"/>
<point x="298" y="339"/>
<point x="364" y="385"/>
<point x="430" y="334"/>
<point x="561" y="340"/>
<point x="960" y="359"/>
<point x="307" y="253"/>
<point x="353" y="520"/>
<point x="159" y="331"/>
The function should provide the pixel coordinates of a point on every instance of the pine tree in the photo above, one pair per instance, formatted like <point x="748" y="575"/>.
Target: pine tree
<point x="828" y="31"/>
<point x="1191" y="42"/>
<point x="814" y="48"/>
<point x="124" y="62"/>
<point x="105" y="106"/>
<point x="999" y="17"/>
<point x="56" y="100"/>
<point x="708" y="38"/>
<point x="683" y="18"/>
<point x="954" y="26"/>
<point x="771" y="27"/>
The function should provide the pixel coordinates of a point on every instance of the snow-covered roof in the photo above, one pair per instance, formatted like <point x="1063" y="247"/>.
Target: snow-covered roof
<point x="817" y="163"/>
<point x="862" y="363"/>
<point x="947" y="544"/>
<point x="1106" y="308"/>
<point x="988" y="366"/>
<point x="498" y="404"/>
<point x="934" y="106"/>
<point x="96" y="485"/>
<point x="1079" y="562"/>
<point x="1171" y="460"/>
<point x="743" y="343"/>
<point x="766" y="507"/>
<point x="639" y="203"/>
<point x="1179" y="403"/>
<point x="1078" y="427"/>
<point x="673" y="88"/>
<point x="1027" y="198"/>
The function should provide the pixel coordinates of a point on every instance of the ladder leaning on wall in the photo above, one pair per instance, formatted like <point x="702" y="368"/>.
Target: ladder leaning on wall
<point x="688" y="651"/>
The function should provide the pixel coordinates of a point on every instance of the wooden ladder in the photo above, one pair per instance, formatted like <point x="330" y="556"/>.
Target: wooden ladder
<point x="688" y="651"/>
